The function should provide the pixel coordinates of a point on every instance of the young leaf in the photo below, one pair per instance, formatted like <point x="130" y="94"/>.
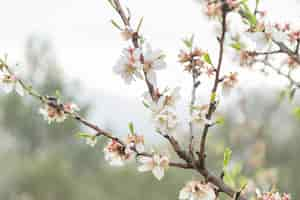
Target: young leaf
<point x="282" y="95"/>
<point x="251" y="18"/>
<point x="227" y="157"/>
<point x="207" y="58"/>
<point x="57" y="94"/>
<point x="131" y="128"/>
<point x="237" y="45"/>
<point x="213" y="97"/>
<point x="292" y="93"/>
<point x="139" y="25"/>
<point x="84" y="135"/>
<point x="111" y="3"/>
<point x="220" y="120"/>
<point x="145" y="104"/>
<point x="115" y="24"/>
<point x="189" y="42"/>
<point x="296" y="112"/>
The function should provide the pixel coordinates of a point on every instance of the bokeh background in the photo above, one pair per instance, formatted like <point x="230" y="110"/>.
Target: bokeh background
<point x="71" y="46"/>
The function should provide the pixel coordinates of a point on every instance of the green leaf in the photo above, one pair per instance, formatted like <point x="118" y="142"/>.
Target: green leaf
<point x="228" y="179"/>
<point x="189" y="42"/>
<point x="145" y="104"/>
<point x="111" y="3"/>
<point x="296" y="112"/>
<point x="220" y="120"/>
<point x="207" y="58"/>
<point x="282" y="95"/>
<point x="213" y="97"/>
<point x="131" y="128"/>
<point x="84" y="135"/>
<point x="115" y="24"/>
<point x="57" y="94"/>
<point x="237" y="45"/>
<point x="236" y="170"/>
<point x="257" y="2"/>
<point x="243" y="182"/>
<point x="227" y="157"/>
<point x="139" y="25"/>
<point x="251" y="18"/>
<point x="292" y="93"/>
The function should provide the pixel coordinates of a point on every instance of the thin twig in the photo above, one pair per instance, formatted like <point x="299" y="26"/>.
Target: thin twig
<point x="212" y="103"/>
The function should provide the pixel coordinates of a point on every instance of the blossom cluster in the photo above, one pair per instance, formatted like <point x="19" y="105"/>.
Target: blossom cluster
<point x="53" y="111"/>
<point x="9" y="82"/>
<point x="116" y="154"/>
<point x="272" y="196"/>
<point x="134" y="62"/>
<point x="250" y="34"/>
<point x="215" y="8"/>
<point x="163" y="109"/>
<point x="195" y="61"/>
<point x="195" y="190"/>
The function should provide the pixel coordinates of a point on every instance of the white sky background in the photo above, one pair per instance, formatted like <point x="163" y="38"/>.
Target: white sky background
<point x="88" y="46"/>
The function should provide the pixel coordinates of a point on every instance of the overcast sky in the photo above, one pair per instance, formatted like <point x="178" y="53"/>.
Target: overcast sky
<point x="88" y="46"/>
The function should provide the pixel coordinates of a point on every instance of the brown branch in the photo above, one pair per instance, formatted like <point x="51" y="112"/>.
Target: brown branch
<point x="212" y="103"/>
<point x="279" y="72"/>
<point x="192" y="103"/>
<point x="288" y="51"/>
<point x="256" y="53"/>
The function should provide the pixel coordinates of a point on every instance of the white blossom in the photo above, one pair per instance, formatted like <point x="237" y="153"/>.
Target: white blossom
<point x="154" y="106"/>
<point x="114" y="153"/>
<point x="52" y="114"/>
<point x="136" y="142"/>
<point x="129" y="66"/>
<point x="228" y="83"/>
<point x="195" y="190"/>
<point x="276" y="33"/>
<point x="199" y="115"/>
<point x="166" y="121"/>
<point x="235" y="25"/>
<point x="9" y="83"/>
<point x="172" y="97"/>
<point x="153" y="60"/>
<point x="157" y="164"/>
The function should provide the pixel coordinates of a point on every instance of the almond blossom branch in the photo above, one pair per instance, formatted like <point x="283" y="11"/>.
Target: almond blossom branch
<point x="152" y="90"/>
<point x="55" y="106"/>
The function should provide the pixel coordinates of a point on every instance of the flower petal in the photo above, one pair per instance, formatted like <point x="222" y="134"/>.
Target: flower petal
<point x="145" y="168"/>
<point x="158" y="172"/>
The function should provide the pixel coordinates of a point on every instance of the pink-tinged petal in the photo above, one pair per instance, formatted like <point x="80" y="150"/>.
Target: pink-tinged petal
<point x="158" y="172"/>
